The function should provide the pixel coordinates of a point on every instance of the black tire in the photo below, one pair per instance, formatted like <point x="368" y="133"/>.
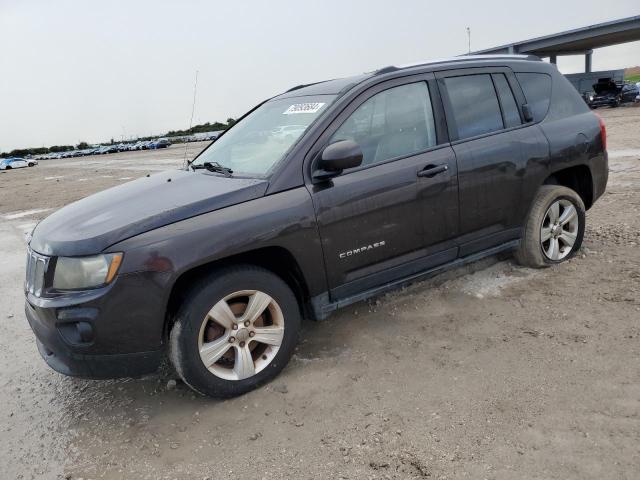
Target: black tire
<point x="203" y="295"/>
<point x="531" y="250"/>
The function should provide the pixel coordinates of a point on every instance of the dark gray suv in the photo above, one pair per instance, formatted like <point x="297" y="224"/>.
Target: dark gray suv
<point x="322" y="196"/>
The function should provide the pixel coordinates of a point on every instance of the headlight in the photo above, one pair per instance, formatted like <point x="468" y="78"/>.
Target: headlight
<point x="73" y="273"/>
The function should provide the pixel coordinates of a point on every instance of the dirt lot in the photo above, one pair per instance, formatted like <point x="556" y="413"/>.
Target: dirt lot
<point x="490" y="372"/>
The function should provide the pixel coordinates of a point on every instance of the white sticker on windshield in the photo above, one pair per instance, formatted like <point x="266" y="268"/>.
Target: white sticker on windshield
<point x="303" y="108"/>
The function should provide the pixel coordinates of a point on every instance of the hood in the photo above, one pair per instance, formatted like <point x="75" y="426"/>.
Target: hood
<point x="606" y="88"/>
<point x="88" y="226"/>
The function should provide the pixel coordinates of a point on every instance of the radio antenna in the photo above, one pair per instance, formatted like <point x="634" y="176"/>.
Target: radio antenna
<point x="193" y="109"/>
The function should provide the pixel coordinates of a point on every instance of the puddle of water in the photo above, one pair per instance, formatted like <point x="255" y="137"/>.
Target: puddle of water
<point x="24" y="213"/>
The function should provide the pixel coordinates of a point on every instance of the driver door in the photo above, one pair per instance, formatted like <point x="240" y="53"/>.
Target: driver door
<point x="389" y="217"/>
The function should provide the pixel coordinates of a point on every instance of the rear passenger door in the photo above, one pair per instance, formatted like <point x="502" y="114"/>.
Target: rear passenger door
<point x="485" y="126"/>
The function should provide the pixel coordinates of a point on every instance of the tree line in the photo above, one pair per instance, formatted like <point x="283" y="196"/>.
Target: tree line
<point x="202" y="128"/>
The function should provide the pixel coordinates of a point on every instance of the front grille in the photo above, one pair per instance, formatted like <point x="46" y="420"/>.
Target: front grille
<point x="37" y="266"/>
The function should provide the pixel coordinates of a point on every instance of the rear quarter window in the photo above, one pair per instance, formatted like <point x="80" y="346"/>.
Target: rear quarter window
<point x="565" y="99"/>
<point x="537" y="91"/>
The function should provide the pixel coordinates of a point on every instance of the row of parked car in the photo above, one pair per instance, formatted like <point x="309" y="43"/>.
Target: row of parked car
<point x="607" y="93"/>
<point x="17" y="162"/>
<point x="104" y="149"/>
<point x="30" y="161"/>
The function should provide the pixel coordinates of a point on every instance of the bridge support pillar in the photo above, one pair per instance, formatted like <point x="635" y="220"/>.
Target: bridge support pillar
<point x="587" y="61"/>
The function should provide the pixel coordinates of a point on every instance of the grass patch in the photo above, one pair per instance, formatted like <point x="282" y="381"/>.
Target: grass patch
<point x="633" y="78"/>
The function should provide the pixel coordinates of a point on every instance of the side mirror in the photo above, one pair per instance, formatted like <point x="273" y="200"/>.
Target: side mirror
<point x="527" y="113"/>
<point x="337" y="157"/>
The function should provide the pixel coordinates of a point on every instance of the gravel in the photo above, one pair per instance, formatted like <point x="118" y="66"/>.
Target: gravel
<point x="491" y="371"/>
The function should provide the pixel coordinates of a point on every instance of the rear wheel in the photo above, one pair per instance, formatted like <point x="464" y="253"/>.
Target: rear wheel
<point x="554" y="229"/>
<point x="236" y="330"/>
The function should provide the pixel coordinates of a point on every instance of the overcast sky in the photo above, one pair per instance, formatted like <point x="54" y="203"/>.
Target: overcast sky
<point x="87" y="70"/>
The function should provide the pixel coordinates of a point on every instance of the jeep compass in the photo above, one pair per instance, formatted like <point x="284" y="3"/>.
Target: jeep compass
<point x="322" y="196"/>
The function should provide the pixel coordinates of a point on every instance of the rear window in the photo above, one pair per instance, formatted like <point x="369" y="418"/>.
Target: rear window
<point x="474" y="104"/>
<point x="537" y="91"/>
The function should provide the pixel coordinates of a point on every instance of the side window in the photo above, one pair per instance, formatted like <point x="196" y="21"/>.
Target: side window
<point x="474" y="104"/>
<point x="393" y="123"/>
<point x="537" y="91"/>
<point x="565" y="100"/>
<point x="507" y="100"/>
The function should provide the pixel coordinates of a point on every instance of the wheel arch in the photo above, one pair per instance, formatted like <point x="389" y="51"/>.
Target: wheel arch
<point x="578" y="178"/>
<point x="277" y="260"/>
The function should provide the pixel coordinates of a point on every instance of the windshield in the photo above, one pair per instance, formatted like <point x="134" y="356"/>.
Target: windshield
<point x="260" y="140"/>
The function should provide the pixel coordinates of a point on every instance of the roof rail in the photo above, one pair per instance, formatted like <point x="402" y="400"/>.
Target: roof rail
<point x="298" y="87"/>
<point x="461" y="58"/>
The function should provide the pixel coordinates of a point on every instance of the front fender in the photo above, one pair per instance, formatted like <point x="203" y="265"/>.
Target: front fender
<point x="285" y="220"/>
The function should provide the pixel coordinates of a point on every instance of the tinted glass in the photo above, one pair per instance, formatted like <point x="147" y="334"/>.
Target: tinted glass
<point x="475" y="105"/>
<point x="537" y="91"/>
<point x="393" y="123"/>
<point x="565" y="100"/>
<point x="507" y="100"/>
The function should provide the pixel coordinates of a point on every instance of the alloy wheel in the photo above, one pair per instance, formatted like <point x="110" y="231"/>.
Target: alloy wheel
<point x="241" y="335"/>
<point x="559" y="230"/>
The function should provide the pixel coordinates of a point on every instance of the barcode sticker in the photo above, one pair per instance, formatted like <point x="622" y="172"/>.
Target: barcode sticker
<point x="303" y="108"/>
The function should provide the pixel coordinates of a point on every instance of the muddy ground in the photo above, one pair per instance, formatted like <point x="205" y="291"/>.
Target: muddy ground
<point x="489" y="372"/>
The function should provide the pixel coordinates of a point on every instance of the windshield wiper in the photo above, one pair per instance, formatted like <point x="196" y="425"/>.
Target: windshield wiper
<point x="214" y="167"/>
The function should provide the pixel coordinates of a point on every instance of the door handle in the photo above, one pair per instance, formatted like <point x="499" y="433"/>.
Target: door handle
<point x="432" y="170"/>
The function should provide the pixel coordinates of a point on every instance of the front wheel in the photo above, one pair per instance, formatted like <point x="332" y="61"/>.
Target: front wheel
<point x="236" y="330"/>
<point x="554" y="229"/>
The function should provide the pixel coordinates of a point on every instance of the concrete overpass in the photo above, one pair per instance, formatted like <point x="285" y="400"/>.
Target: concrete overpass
<point x="581" y="41"/>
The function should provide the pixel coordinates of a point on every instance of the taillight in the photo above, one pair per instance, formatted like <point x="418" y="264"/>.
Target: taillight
<point x="603" y="132"/>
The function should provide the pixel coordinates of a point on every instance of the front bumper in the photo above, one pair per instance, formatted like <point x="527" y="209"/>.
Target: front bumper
<point x="114" y="332"/>
<point x="603" y="102"/>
